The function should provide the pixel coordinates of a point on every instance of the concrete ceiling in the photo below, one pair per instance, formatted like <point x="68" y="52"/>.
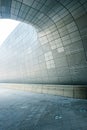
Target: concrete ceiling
<point x="59" y="55"/>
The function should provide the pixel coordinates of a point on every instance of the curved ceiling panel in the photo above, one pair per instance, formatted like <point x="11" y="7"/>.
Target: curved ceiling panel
<point x="60" y="55"/>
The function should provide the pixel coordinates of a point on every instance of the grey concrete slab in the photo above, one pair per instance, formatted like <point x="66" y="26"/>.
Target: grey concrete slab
<point x="29" y="111"/>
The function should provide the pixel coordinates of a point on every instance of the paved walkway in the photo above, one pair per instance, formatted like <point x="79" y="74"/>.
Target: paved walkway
<point x="29" y="111"/>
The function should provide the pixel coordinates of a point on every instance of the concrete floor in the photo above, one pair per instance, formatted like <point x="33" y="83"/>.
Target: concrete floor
<point x="29" y="111"/>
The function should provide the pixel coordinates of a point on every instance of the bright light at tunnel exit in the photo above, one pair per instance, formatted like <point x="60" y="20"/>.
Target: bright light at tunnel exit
<point x="6" y="27"/>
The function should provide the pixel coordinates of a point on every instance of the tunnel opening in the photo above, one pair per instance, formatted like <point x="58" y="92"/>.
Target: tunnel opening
<point x="6" y="27"/>
<point x="18" y="41"/>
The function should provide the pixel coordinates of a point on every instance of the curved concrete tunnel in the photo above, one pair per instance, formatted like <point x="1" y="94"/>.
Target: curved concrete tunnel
<point x="53" y="57"/>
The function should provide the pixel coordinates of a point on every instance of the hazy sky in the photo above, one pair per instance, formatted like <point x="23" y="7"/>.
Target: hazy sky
<point x="6" y="27"/>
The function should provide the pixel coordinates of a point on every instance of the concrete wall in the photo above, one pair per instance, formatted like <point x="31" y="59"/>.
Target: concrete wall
<point x="74" y="91"/>
<point x="59" y="55"/>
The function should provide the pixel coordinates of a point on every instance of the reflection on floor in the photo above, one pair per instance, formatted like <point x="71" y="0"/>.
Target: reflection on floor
<point x="29" y="111"/>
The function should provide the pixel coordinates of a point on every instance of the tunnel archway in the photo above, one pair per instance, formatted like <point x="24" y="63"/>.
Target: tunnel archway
<point x="52" y="62"/>
<point x="61" y="29"/>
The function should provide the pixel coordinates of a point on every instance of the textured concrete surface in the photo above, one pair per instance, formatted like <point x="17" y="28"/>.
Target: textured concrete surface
<point x="57" y="55"/>
<point x="74" y="91"/>
<point x="29" y="111"/>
